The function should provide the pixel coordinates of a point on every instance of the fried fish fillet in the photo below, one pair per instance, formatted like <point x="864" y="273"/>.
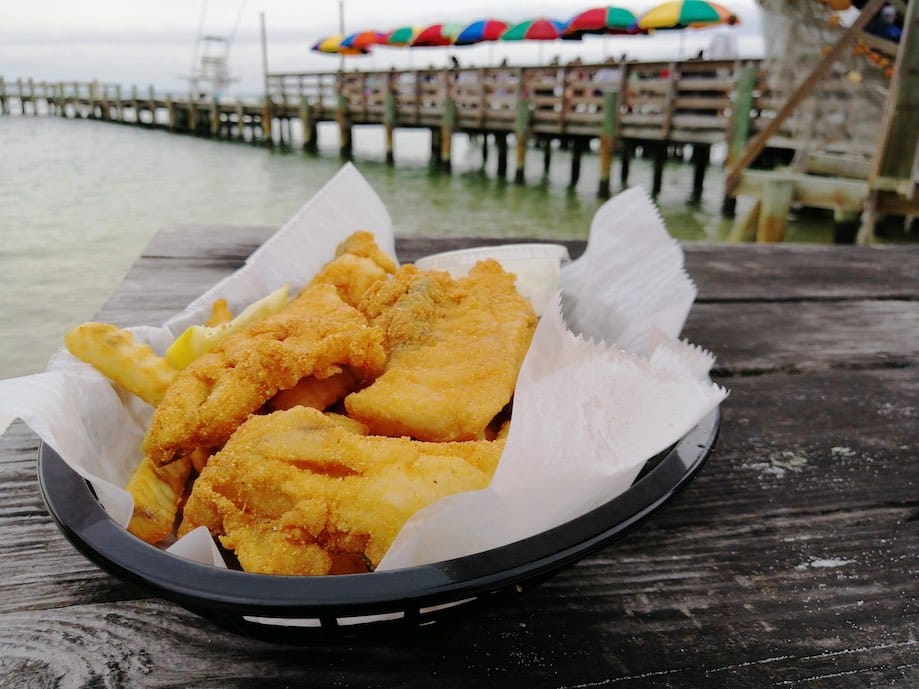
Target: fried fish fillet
<point x="301" y="492"/>
<point x="317" y="334"/>
<point x="454" y="349"/>
<point x="358" y="264"/>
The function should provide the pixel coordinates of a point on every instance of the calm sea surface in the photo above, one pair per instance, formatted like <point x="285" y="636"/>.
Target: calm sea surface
<point x="79" y="200"/>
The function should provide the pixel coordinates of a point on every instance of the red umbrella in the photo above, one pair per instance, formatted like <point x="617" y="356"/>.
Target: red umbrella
<point x="437" y="35"/>
<point x="603" y="20"/>
<point x="541" y="29"/>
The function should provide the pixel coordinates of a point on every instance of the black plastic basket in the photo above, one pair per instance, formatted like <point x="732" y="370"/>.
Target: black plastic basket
<point x="304" y="609"/>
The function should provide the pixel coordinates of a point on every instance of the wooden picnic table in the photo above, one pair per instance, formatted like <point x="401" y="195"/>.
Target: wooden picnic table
<point x="791" y="559"/>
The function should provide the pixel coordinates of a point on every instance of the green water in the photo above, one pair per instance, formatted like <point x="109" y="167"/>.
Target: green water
<point x="80" y="199"/>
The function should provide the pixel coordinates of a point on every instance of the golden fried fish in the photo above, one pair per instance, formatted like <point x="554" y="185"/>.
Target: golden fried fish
<point x="454" y="349"/>
<point x="302" y="492"/>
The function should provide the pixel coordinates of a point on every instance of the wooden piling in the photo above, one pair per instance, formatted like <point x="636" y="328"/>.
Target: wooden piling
<point x="151" y="104"/>
<point x="773" y="216"/>
<point x="345" y="145"/>
<point x="608" y="134"/>
<point x="546" y="156"/>
<point x="701" y="154"/>
<point x="522" y="134"/>
<point x="310" y="143"/>
<point x="739" y="129"/>
<point x="214" y="118"/>
<point x="625" y="160"/>
<point x="577" y="150"/>
<point x="389" y="125"/>
<point x="660" y="157"/>
<point x="240" y="120"/>
<point x="501" y="145"/>
<point x="4" y="104"/>
<point x="448" y="124"/>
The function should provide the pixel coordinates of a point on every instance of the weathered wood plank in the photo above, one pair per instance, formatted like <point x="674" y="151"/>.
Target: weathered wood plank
<point x="776" y="565"/>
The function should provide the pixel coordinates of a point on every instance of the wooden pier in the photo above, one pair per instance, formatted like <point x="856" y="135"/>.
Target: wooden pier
<point x="612" y="109"/>
<point x="609" y="108"/>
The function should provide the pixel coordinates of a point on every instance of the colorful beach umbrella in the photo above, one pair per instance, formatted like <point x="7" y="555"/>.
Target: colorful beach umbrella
<point x="603" y="20"/>
<point x="402" y="36"/>
<point x="481" y="30"/>
<point x="437" y="35"/>
<point x="540" y="29"/>
<point x="332" y="45"/>
<point x="363" y="40"/>
<point x="682" y="14"/>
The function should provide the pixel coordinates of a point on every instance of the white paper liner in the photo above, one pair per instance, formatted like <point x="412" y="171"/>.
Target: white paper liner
<point x="590" y="408"/>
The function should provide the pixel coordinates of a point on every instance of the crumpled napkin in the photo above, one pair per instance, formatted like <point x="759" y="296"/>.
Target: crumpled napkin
<point x="605" y="385"/>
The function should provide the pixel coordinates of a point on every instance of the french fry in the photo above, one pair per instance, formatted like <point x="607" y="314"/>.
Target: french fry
<point x="157" y="492"/>
<point x="116" y="354"/>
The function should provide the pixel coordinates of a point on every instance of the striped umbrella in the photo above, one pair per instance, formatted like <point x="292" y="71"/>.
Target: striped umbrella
<point x="481" y="30"/>
<point x="681" y="14"/>
<point x="540" y="29"/>
<point x="603" y="20"/>
<point x="332" y="45"/>
<point x="401" y="37"/>
<point x="437" y="35"/>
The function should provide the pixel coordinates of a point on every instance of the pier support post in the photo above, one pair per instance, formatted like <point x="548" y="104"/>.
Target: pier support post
<point x="608" y="133"/>
<point x="701" y="153"/>
<point x="522" y="134"/>
<point x="215" y="118"/>
<point x="135" y="105"/>
<point x="625" y="161"/>
<point x="119" y="111"/>
<point x="310" y="142"/>
<point x="240" y="119"/>
<point x="546" y="156"/>
<point x="501" y="145"/>
<point x="32" y="98"/>
<point x="192" y="115"/>
<point x="436" y="133"/>
<point x="345" y="145"/>
<point x="448" y="123"/>
<point x="170" y="114"/>
<point x="389" y="125"/>
<point x="773" y="216"/>
<point x="4" y="105"/>
<point x="739" y="129"/>
<point x="484" y="150"/>
<point x="151" y="104"/>
<point x="660" y="157"/>
<point x="267" y="122"/>
<point x="22" y="100"/>
<point x="577" y="149"/>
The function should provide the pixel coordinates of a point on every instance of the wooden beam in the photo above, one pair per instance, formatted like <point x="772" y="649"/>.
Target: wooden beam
<point x="758" y="143"/>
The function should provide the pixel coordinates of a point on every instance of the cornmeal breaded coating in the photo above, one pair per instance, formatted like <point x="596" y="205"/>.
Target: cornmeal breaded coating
<point x="317" y="334"/>
<point x="357" y="265"/>
<point x="454" y="349"/>
<point x="302" y="492"/>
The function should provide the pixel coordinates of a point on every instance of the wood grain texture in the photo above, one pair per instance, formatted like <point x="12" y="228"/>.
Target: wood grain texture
<point x="790" y="561"/>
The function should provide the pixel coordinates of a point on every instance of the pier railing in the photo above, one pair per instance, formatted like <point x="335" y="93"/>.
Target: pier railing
<point x="673" y="101"/>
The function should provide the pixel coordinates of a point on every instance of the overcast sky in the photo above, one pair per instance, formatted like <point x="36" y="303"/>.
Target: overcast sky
<point x="153" y="42"/>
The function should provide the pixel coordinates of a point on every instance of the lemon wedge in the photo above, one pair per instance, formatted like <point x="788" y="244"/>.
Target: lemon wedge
<point x="200" y="339"/>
